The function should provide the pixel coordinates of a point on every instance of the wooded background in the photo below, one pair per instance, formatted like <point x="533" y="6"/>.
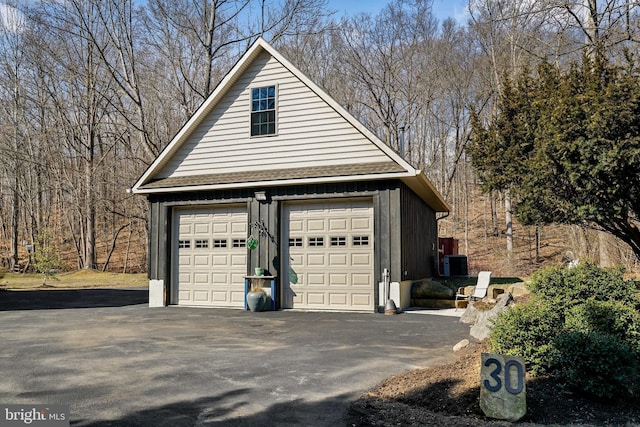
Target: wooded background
<point x="92" y="90"/>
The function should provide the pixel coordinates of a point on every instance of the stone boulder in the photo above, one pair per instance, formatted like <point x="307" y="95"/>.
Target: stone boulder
<point x="482" y="326"/>
<point x="518" y="289"/>
<point x="429" y="289"/>
<point x="470" y="315"/>
<point x="503" y="392"/>
<point x="460" y="345"/>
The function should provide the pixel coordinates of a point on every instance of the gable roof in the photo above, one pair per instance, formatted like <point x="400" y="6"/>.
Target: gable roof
<point x="164" y="174"/>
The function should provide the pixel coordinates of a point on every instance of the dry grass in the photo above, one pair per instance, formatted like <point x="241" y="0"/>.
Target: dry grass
<point x="73" y="280"/>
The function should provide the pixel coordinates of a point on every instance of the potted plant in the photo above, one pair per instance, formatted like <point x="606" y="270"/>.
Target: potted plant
<point x="256" y="297"/>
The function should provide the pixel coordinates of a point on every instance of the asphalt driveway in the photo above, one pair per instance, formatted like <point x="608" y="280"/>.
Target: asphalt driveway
<point x="117" y="362"/>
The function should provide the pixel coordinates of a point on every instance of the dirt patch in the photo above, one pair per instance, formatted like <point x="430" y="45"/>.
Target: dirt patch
<point x="449" y="395"/>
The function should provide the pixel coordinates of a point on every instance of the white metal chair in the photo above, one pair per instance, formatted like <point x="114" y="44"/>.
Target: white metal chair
<point x="480" y="291"/>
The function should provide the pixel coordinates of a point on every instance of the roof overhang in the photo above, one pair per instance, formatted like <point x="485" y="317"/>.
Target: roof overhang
<point x="419" y="183"/>
<point x="422" y="186"/>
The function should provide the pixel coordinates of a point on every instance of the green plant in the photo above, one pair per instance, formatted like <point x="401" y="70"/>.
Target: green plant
<point x="598" y="364"/>
<point x="527" y="330"/>
<point x="583" y="327"/>
<point x="565" y="287"/>
<point x="610" y="317"/>
<point x="46" y="257"/>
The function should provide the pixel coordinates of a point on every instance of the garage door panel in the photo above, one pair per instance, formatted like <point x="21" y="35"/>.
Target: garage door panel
<point x="361" y="300"/>
<point x="220" y="228"/>
<point x="219" y="279"/>
<point x="219" y="296"/>
<point x="338" y="279"/>
<point x="339" y="224"/>
<point x="316" y="298"/>
<point x="201" y="229"/>
<point x="200" y="260"/>
<point x="220" y="260"/>
<point x="237" y="278"/>
<point x="210" y="257"/>
<point x="339" y="299"/>
<point x="237" y="297"/>
<point x="361" y="279"/>
<point x="360" y="259"/>
<point x="239" y="260"/>
<point x="201" y="278"/>
<point x="200" y="296"/>
<point x="358" y="224"/>
<point x="338" y="260"/>
<point x="315" y="225"/>
<point x="331" y="252"/>
<point x="316" y="260"/>
<point x="239" y="227"/>
<point x="316" y="279"/>
<point x="296" y="225"/>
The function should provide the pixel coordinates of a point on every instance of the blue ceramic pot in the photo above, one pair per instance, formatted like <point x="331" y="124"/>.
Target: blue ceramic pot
<point x="255" y="300"/>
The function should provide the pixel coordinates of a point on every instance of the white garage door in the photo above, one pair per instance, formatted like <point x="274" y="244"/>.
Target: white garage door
<point x="210" y="259"/>
<point x="330" y="256"/>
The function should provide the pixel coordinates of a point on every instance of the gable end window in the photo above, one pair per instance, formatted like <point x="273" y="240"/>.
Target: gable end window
<point x="263" y="111"/>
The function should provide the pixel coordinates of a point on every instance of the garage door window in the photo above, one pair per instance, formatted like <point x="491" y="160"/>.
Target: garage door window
<point x="316" y="242"/>
<point x="239" y="243"/>
<point x="295" y="242"/>
<point x="202" y="244"/>
<point x="184" y="244"/>
<point x="338" y="241"/>
<point x="220" y="243"/>
<point x="360" y="240"/>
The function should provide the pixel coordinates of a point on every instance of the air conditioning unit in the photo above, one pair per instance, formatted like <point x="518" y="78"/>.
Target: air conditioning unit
<point x="455" y="265"/>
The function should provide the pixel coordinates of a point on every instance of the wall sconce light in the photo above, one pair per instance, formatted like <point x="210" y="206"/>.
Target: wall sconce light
<point x="261" y="196"/>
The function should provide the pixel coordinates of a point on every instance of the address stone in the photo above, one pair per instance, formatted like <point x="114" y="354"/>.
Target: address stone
<point x="502" y="387"/>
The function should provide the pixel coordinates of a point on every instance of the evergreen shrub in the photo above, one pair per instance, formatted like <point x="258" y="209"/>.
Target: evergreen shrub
<point x="527" y="330"/>
<point x="594" y="363"/>
<point x="582" y="326"/>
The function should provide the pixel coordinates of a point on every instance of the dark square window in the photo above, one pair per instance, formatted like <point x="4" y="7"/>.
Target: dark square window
<point x="295" y="242"/>
<point x="263" y="111"/>
<point x="316" y="241"/>
<point x="360" y="240"/>
<point x="239" y="243"/>
<point x="220" y="243"/>
<point x="202" y="244"/>
<point x="338" y="241"/>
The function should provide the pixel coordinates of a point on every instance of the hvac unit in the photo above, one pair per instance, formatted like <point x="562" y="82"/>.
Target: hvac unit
<point x="455" y="265"/>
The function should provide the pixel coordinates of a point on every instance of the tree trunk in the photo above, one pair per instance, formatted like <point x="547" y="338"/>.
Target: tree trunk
<point x="90" y="242"/>
<point x="509" y="223"/>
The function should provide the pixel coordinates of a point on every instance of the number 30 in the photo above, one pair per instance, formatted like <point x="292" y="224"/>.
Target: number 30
<point x="507" y="376"/>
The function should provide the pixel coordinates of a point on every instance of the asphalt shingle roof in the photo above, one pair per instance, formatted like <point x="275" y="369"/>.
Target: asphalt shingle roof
<point x="262" y="175"/>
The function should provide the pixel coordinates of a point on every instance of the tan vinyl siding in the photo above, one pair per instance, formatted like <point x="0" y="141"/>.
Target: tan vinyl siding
<point x="310" y="133"/>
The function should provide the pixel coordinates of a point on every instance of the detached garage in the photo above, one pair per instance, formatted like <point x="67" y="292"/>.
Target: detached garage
<point x="270" y="158"/>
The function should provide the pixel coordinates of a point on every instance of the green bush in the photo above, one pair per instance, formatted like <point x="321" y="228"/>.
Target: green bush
<point x="565" y="287"/>
<point x="583" y="326"/>
<point x="611" y="317"/>
<point x="527" y="330"/>
<point x="594" y="363"/>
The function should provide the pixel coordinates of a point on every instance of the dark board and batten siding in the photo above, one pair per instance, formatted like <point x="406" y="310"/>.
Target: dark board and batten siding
<point x="419" y="236"/>
<point x="266" y="256"/>
<point x="387" y="233"/>
<point x="158" y="240"/>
